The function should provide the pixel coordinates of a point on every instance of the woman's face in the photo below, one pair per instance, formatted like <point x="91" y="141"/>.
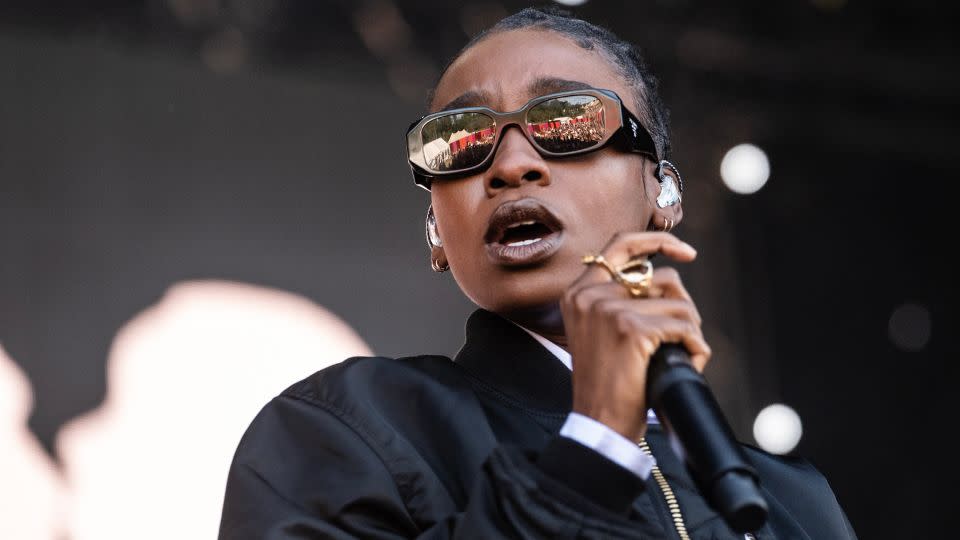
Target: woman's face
<point x="577" y="203"/>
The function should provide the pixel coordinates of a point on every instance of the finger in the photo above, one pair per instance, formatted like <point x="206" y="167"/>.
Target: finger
<point x="583" y="297"/>
<point x="628" y="245"/>
<point x="699" y="361"/>
<point x="659" y="329"/>
<point x="593" y="274"/>
<point x="670" y="307"/>
<point x="666" y="283"/>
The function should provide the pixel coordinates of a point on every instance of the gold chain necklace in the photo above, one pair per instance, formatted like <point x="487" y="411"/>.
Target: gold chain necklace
<point x="668" y="495"/>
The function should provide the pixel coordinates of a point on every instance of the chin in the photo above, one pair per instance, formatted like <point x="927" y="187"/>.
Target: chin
<point x="521" y="290"/>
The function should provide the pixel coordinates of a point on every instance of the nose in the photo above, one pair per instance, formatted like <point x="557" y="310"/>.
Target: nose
<point x="515" y="163"/>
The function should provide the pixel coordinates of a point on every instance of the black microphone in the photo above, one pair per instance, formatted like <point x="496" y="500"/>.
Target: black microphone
<point x="717" y="462"/>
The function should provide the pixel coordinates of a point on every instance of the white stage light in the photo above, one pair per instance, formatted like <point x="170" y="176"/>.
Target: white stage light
<point x="745" y="169"/>
<point x="777" y="429"/>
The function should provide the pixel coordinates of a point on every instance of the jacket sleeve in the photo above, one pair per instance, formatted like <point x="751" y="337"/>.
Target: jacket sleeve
<point x="306" y="472"/>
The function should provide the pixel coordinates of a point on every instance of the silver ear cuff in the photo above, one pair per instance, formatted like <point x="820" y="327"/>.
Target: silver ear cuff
<point x="433" y="235"/>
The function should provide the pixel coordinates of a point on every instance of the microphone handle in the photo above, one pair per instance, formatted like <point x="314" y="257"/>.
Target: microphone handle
<point x="717" y="461"/>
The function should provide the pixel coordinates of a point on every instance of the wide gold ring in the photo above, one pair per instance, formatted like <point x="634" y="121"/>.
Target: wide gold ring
<point x="636" y="275"/>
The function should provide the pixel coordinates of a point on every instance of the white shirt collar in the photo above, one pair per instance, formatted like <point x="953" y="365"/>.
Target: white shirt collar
<point x="567" y="360"/>
<point x="557" y="350"/>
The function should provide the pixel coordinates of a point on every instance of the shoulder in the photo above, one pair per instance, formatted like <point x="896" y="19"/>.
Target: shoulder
<point x="791" y="472"/>
<point x="374" y="378"/>
<point x="373" y="397"/>
<point x="381" y="394"/>
<point x="404" y="410"/>
<point x="803" y="490"/>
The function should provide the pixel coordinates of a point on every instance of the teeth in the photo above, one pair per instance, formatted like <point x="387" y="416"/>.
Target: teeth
<point x="524" y="242"/>
<point x="530" y="222"/>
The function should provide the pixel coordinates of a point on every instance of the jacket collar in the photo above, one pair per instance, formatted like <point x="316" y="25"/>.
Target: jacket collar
<point x="501" y="354"/>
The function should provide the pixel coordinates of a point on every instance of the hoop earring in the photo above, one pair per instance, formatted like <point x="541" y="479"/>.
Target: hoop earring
<point x="437" y="267"/>
<point x="667" y="225"/>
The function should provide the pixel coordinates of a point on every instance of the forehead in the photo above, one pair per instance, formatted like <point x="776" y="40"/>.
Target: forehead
<point x="506" y="69"/>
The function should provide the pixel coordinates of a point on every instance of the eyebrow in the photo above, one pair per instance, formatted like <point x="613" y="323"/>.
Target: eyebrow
<point x="551" y="85"/>
<point x="539" y="87"/>
<point x="470" y="98"/>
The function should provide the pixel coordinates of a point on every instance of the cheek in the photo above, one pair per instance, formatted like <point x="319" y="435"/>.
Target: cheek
<point x="455" y="206"/>
<point x="610" y="197"/>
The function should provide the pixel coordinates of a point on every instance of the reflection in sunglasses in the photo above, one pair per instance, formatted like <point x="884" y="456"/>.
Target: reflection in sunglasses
<point x="463" y="140"/>
<point x="567" y="124"/>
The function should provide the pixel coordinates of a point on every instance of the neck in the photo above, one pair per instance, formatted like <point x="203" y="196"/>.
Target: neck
<point x="544" y="320"/>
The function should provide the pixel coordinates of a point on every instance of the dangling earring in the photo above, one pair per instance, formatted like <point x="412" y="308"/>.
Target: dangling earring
<point x="669" y="190"/>
<point x="433" y="235"/>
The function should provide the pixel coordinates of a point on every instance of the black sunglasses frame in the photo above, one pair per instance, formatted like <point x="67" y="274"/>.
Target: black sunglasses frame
<point x="630" y="132"/>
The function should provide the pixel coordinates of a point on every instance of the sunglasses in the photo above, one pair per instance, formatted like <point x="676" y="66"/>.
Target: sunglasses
<point x="461" y="142"/>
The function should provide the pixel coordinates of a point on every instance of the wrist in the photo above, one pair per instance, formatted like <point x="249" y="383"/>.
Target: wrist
<point x="610" y="444"/>
<point x="632" y="426"/>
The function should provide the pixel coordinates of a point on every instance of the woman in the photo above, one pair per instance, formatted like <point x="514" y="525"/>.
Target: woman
<point x="548" y="228"/>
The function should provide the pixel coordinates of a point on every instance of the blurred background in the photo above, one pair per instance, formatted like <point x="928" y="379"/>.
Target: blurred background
<point x="202" y="201"/>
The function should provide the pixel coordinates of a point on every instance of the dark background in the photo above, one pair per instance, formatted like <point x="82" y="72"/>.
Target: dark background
<point x="147" y="142"/>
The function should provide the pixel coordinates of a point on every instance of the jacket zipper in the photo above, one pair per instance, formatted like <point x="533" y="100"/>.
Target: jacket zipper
<point x="668" y="495"/>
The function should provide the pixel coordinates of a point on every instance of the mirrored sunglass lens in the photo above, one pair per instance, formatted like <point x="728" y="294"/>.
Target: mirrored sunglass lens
<point x="567" y="124"/>
<point x="457" y="141"/>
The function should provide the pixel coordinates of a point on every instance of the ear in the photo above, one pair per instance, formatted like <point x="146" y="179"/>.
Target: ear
<point x="664" y="189"/>
<point x="438" y="259"/>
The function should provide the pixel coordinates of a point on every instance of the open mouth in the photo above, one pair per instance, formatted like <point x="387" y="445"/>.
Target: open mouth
<point x="522" y="232"/>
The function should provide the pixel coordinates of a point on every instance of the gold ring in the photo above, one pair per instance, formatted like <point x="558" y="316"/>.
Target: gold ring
<point x="599" y="259"/>
<point x="636" y="275"/>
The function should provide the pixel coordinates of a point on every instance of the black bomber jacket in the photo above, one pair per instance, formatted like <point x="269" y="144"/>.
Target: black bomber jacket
<point x="426" y="447"/>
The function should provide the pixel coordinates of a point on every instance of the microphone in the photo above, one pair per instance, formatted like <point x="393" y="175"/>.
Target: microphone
<point x="718" y="463"/>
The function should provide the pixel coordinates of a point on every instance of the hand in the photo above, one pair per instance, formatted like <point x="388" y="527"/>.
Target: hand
<point x="611" y="336"/>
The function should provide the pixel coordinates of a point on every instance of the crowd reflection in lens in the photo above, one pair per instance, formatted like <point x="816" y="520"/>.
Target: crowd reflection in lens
<point x="567" y="124"/>
<point x="460" y="141"/>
